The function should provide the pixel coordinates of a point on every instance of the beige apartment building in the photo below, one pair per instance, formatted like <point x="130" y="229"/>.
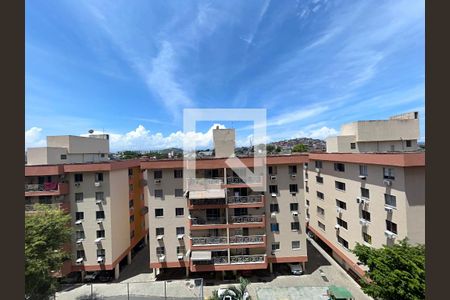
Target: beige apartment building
<point x="216" y="222"/>
<point x="373" y="199"/>
<point x="105" y="200"/>
<point x="399" y="133"/>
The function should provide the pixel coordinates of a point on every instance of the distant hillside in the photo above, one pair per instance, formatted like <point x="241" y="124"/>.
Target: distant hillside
<point x="312" y="144"/>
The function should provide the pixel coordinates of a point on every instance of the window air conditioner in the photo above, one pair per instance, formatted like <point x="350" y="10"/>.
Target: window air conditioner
<point x="79" y="260"/>
<point x="307" y="219"/>
<point x="162" y="258"/>
<point x="387" y="182"/>
<point x="388" y="209"/>
<point x="318" y="170"/>
<point x="180" y="256"/>
<point x="273" y="177"/>
<point x="337" y="226"/>
<point x="338" y="210"/>
<point x="273" y="214"/>
<point x="358" y="200"/>
<point x="79" y="241"/>
<point x="77" y="184"/>
<point x="100" y="259"/>
<point x="293" y="175"/>
<point x="295" y="213"/>
<point x="98" y="201"/>
<point x="98" y="240"/>
<point x="99" y="221"/>
<point x="157" y="181"/>
<point x="363" y="222"/>
<point x="180" y="236"/>
<point x="160" y="237"/>
<point x="274" y="194"/>
<point x="362" y="176"/>
<point x="78" y="222"/>
<point x="390" y="234"/>
<point x="98" y="184"/>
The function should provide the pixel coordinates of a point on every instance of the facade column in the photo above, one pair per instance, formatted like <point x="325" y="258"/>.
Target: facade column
<point x="157" y="271"/>
<point x="271" y="267"/>
<point x="187" y="271"/>
<point x="304" y="268"/>
<point x="83" y="274"/>
<point x="129" y="258"/>
<point x="116" y="272"/>
<point x="146" y="239"/>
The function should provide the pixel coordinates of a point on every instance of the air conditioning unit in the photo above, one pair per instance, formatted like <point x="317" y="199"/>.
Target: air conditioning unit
<point x="274" y="194"/>
<point x="338" y="210"/>
<point x="98" y="201"/>
<point x="79" y="241"/>
<point x="306" y="179"/>
<point x="78" y="222"/>
<point x="307" y="219"/>
<point x="99" y="221"/>
<point x="157" y="181"/>
<point x="79" y="260"/>
<point x="306" y="205"/>
<point x="273" y="252"/>
<point x="100" y="259"/>
<point x="97" y="184"/>
<point x="162" y="258"/>
<point x="358" y="200"/>
<point x="362" y="176"/>
<point x="160" y="237"/>
<point x="98" y="240"/>
<point x="180" y="236"/>
<point x="388" y="209"/>
<point x="305" y="167"/>
<point x="273" y="215"/>
<point x="337" y="226"/>
<point x="77" y="184"/>
<point x="273" y="177"/>
<point x="363" y="222"/>
<point x="293" y="175"/>
<point x="387" y="182"/>
<point x="318" y="170"/>
<point x="295" y="213"/>
<point x="180" y="256"/>
<point x="390" y="234"/>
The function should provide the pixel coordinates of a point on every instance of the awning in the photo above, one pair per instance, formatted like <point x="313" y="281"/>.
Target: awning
<point x="208" y="194"/>
<point x="201" y="255"/>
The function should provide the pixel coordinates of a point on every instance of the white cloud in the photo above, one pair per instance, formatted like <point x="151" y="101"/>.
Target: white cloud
<point x="143" y="139"/>
<point x="33" y="137"/>
<point x="296" y="115"/>
<point x="320" y="133"/>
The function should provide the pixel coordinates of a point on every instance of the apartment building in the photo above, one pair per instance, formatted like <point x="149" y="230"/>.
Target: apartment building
<point x="219" y="222"/>
<point x="106" y="203"/>
<point x="373" y="199"/>
<point x="398" y="133"/>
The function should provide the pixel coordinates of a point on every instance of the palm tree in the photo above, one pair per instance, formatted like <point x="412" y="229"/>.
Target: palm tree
<point x="235" y="293"/>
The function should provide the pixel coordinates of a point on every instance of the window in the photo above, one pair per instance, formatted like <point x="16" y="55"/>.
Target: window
<point x="341" y="223"/>
<point x="390" y="200"/>
<point x="131" y="218"/>
<point x="318" y="164"/>
<point x="307" y="189"/>
<point x="178" y="193"/>
<point x="367" y="238"/>
<point x="388" y="173"/>
<point x="320" y="211"/>
<point x="352" y="145"/>
<point x="342" y="242"/>
<point x="101" y="253"/>
<point x="131" y="203"/>
<point x="98" y="176"/>
<point x="179" y="211"/>
<point x="321" y="225"/>
<point x="294" y="206"/>
<point x="341" y="204"/>
<point x="102" y="155"/>
<point x="132" y="234"/>
<point x="274" y="207"/>
<point x="158" y="193"/>
<point x="307" y="202"/>
<point x="293" y="169"/>
<point x="363" y="170"/>
<point x="275" y="246"/>
<point x="157" y="174"/>
<point x="78" y="177"/>
<point x="274" y="227"/>
<point x="79" y="197"/>
<point x="408" y="143"/>
<point x="319" y="179"/>
<point x="159" y="212"/>
<point x="159" y="231"/>
<point x="391" y="226"/>
<point x="365" y="193"/>
<point x="79" y="215"/>
<point x="178" y="173"/>
<point x="339" y="185"/>
<point x="160" y="251"/>
<point x="242" y="211"/>
<point x="272" y="170"/>
<point x="99" y="196"/>
<point x="293" y="188"/>
<point x="365" y="215"/>
<point x="181" y="250"/>
<point x="130" y="172"/>
<point x="320" y="195"/>
<point x="273" y="189"/>
<point x="131" y="187"/>
<point x="79" y="234"/>
<point x="295" y="226"/>
<point x="295" y="245"/>
<point x="99" y="214"/>
<point x="63" y="156"/>
<point x="339" y="167"/>
<point x="180" y="230"/>
<point x="81" y="254"/>
<point x="306" y="175"/>
<point x="100" y="233"/>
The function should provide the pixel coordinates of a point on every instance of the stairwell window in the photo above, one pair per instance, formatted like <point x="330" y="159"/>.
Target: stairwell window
<point x="274" y="207"/>
<point x="391" y="226"/>
<point x="157" y="174"/>
<point x="178" y="173"/>
<point x="295" y="226"/>
<point x="159" y="212"/>
<point x="159" y="231"/>
<point x="180" y="230"/>
<point x="293" y="188"/>
<point x="275" y="246"/>
<point x="339" y="185"/>
<point x="341" y="223"/>
<point x="295" y="245"/>
<point x="320" y="195"/>
<point x="341" y="204"/>
<point x="342" y="242"/>
<point x="100" y="215"/>
<point x="98" y="177"/>
<point x="79" y="197"/>
<point x="365" y="193"/>
<point x="294" y="206"/>
<point x="293" y="169"/>
<point x="101" y="253"/>
<point x="321" y="225"/>
<point x="365" y="215"/>
<point x="390" y="200"/>
<point x="78" y="177"/>
<point x="319" y="179"/>
<point x="339" y="167"/>
<point x="160" y="251"/>
<point x="367" y="238"/>
<point x="100" y="233"/>
<point x="388" y="173"/>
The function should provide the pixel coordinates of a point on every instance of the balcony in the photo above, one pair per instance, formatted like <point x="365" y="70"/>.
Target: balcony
<point x="206" y="203"/>
<point x="46" y="189"/>
<point x="245" y="201"/>
<point x="208" y="243"/>
<point x="249" y="221"/>
<point x="201" y="184"/>
<point x="251" y="239"/>
<point x="30" y="208"/>
<point x="234" y="242"/>
<point x="234" y="262"/>
<point x="236" y="181"/>
<point x="208" y="223"/>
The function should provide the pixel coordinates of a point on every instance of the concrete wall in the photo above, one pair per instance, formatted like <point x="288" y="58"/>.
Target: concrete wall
<point x="340" y="143"/>
<point x="415" y="192"/>
<point x="78" y="144"/>
<point x="224" y="142"/>
<point x="388" y="130"/>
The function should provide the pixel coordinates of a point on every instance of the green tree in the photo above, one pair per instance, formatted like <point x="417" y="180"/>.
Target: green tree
<point x="300" y="148"/>
<point x="278" y="149"/>
<point x="395" y="272"/>
<point x="236" y="293"/>
<point x="46" y="231"/>
<point x="270" y="148"/>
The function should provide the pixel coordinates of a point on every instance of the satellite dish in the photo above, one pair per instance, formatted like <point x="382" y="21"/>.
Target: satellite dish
<point x="91" y="131"/>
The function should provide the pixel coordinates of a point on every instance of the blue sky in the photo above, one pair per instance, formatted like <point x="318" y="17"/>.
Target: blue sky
<point x="130" y="68"/>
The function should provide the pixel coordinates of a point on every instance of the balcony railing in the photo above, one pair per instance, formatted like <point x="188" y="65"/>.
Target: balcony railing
<point x="200" y="221"/>
<point x="248" y="180"/>
<point x="247" y="259"/>
<point x="31" y="207"/>
<point x="204" y="181"/>
<point x="252" y="239"/>
<point x="212" y="240"/>
<point x="220" y="260"/>
<point x="208" y="201"/>
<point x="246" y="219"/>
<point x="48" y="187"/>
<point x="245" y="199"/>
